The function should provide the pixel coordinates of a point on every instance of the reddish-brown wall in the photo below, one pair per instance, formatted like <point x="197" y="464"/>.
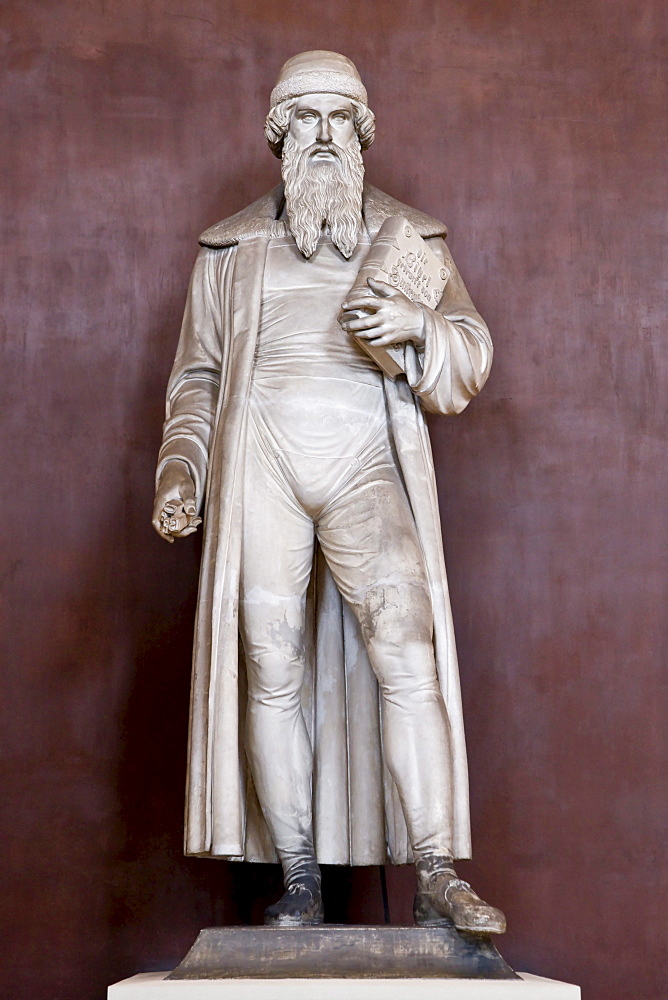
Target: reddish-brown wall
<point x="535" y="130"/>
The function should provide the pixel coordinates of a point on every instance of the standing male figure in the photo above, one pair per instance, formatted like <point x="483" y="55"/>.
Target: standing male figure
<point x="326" y="717"/>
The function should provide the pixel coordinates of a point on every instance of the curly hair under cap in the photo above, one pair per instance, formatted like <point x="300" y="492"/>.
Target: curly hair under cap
<point x="277" y="123"/>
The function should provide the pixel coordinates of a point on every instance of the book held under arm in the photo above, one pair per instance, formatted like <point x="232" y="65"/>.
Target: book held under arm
<point x="400" y="257"/>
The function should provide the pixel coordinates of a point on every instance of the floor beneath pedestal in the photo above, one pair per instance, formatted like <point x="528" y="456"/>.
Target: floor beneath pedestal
<point x="155" y="986"/>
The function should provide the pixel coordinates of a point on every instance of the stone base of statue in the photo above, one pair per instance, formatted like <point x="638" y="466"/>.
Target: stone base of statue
<point x="336" y="962"/>
<point x="341" y="951"/>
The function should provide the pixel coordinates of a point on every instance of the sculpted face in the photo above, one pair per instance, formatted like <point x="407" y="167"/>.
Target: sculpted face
<point x="323" y="122"/>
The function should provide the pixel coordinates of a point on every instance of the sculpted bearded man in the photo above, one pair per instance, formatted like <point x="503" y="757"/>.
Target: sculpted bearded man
<point x="326" y="718"/>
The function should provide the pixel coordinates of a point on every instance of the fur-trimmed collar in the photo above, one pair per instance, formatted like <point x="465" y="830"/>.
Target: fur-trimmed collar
<point x="260" y="218"/>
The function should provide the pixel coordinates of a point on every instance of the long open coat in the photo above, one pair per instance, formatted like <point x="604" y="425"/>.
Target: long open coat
<point x="357" y="815"/>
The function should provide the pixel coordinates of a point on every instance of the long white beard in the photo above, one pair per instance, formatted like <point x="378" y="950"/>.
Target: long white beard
<point x="318" y="193"/>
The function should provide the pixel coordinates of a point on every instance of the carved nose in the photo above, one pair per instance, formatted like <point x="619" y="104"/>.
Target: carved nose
<point x="324" y="131"/>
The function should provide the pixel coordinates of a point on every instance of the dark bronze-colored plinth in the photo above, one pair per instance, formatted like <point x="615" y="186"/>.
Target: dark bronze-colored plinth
<point x="337" y="951"/>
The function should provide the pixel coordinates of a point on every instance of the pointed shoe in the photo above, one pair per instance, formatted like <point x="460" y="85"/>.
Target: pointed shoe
<point x="453" y="901"/>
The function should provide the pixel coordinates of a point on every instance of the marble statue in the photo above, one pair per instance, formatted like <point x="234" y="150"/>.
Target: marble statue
<point x="326" y="722"/>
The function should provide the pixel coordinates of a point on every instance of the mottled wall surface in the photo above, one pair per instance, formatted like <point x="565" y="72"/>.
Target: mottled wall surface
<point x="535" y="131"/>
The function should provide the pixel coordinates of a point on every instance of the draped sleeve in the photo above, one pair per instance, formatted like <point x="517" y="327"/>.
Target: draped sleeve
<point x="194" y="384"/>
<point x="456" y="359"/>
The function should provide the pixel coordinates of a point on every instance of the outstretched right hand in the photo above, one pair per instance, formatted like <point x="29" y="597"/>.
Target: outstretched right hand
<point x="175" y="507"/>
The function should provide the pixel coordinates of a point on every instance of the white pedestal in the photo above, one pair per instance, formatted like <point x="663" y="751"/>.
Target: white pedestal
<point x="152" y="986"/>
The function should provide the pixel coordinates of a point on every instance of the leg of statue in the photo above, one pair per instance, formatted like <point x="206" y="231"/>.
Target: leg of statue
<point x="277" y="557"/>
<point x="369" y="539"/>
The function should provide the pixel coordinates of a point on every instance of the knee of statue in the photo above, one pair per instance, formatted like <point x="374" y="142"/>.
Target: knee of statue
<point x="397" y="613"/>
<point x="275" y="681"/>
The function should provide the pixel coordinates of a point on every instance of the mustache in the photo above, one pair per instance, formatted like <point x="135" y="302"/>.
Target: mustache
<point x="324" y="147"/>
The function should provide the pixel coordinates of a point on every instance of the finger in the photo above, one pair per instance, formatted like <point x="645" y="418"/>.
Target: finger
<point x="381" y="288"/>
<point x="360" y="301"/>
<point x="373" y="334"/>
<point x="363" y="323"/>
<point x="190" y="530"/>
<point x="388" y="340"/>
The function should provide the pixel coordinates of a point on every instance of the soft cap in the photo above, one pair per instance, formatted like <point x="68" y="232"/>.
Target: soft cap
<point x="318" y="72"/>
